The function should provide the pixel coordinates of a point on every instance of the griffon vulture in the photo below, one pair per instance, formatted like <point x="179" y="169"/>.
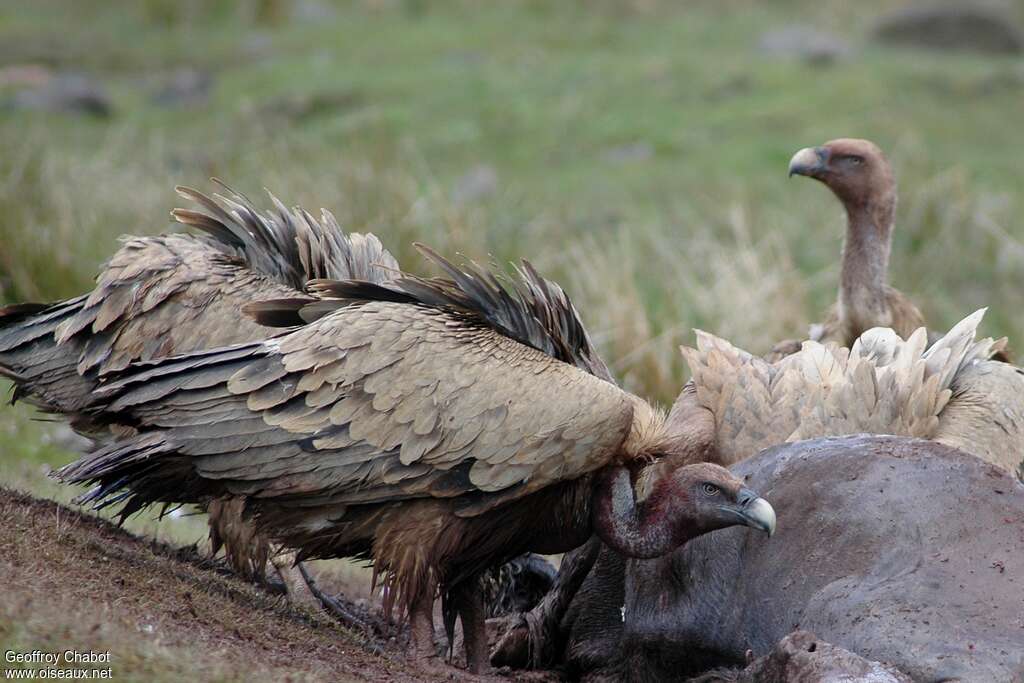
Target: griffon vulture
<point x="171" y="294"/>
<point x="859" y="175"/>
<point x="436" y="427"/>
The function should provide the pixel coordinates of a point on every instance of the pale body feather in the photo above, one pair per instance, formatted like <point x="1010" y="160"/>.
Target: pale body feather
<point x="884" y="384"/>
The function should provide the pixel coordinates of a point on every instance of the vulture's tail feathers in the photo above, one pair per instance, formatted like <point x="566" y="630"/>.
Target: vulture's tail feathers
<point x="43" y="369"/>
<point x="289" y="245"/>
<point x="185" y="392"/>
<point x="134" y="473"/>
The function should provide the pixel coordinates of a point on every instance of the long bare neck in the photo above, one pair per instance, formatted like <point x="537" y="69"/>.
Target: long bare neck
<point x="643" y="530"/>
<point x="865" y="269"/>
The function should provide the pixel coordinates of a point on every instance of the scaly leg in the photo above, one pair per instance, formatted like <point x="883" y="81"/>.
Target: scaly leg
<point x="293" y="576"/>
<point x="421" y="621"/>
<point x="469" y="604"/>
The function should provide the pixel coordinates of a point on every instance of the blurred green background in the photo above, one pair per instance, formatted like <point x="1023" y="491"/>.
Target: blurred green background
<point x="635" y="151"/>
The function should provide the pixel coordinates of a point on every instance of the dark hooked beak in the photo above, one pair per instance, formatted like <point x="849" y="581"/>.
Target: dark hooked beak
<point x="810" y="161"/>
<point x="756" y="512"/>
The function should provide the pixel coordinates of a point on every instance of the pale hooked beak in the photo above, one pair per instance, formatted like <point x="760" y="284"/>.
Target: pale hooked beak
<point x="810" y="161"/>
<point x="756" y="512"/>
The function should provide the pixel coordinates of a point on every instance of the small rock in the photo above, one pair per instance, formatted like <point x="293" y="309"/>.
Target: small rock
<point x="67" y="92"/>
<point x="185" y="87"/>
<point x="637" y="151"/>
<point x="313" y="11"/>
<point x="305" y="106"/>
<point x="804" y="43"/>
<point x="477" y="183"/>
<point x="964" y="26"/>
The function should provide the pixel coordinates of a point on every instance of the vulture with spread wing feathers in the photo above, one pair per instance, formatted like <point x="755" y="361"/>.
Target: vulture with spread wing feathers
<point x="437" y="427"/>
<point x="861" y="178"/>
<point x="952" y="392"/>
<point x="173" y="294"/>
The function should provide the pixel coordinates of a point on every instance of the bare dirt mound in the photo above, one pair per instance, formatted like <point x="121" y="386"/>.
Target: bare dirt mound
<point x="72" y="580"/>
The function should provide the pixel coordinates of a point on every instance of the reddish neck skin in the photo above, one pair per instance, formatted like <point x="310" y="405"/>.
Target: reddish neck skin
<point x="864" y="276"/>
<point x="643" y="530"/>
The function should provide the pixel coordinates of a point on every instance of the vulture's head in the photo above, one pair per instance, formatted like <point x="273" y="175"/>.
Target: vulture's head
<point x="855" y="170"/>
<point x="676" y="504"/>
<point x="716" y="498"/>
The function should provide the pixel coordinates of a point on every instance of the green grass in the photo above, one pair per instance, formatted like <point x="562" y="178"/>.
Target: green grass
<point x="377" y="108"/>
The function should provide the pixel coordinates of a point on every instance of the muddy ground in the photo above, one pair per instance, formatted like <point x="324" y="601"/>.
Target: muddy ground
<point x="71" y="580"/>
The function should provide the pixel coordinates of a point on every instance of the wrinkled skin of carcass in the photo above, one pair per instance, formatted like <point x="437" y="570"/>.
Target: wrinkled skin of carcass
<point x="900" y="550"/>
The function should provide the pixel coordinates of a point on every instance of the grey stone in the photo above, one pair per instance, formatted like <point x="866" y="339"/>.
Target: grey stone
<point x="964" y="26"/>
<point x="804" y="43"/>
<point x="184" y="87"/>
<point x="636" y="151"/>
<point x="66" y="92"/>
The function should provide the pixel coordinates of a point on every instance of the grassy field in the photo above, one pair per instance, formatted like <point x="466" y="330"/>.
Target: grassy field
<point x="634" y="151"/>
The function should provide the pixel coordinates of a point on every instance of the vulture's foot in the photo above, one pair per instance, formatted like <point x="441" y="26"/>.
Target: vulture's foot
<point x="533" y="640"/>
<point x="421" y="627"/>
<point x="297" y="584"/>
<point x="335" y="608"/>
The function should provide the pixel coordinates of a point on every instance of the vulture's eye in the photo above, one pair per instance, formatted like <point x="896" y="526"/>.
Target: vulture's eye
<point x="709" y="489"/>
<point x="856" y="161"/>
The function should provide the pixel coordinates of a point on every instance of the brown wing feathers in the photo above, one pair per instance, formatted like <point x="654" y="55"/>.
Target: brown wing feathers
<point x="530" y="309"/>
<point x="159" y="296"/>
<point x="382" y="400"/>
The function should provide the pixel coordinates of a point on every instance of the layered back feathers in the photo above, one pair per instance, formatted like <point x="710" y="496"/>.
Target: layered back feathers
<point x="289" y="245"/>
<point x="171" y="294"/>
<point x="528" y="308"/>
<point x="882" y="385"/>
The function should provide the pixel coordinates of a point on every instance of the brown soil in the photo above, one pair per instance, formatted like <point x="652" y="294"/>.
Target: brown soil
<point x="74" y="580"/>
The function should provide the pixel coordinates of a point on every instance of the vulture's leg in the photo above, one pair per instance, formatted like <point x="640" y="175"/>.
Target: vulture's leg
<point x="296" y="582"/>
<point x="535" y="641"/>
<point x="469" y="603"/>
<point x="421" y="622"/>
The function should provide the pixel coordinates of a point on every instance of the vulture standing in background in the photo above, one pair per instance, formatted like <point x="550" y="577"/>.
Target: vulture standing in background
<point x="436" y="427"/>
<point x="171" y="294"/>
<point x="860" y="177"/>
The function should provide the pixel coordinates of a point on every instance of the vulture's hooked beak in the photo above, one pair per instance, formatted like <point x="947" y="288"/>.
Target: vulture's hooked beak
<point x="810" y="161"/>
<point x="756" y="512"/>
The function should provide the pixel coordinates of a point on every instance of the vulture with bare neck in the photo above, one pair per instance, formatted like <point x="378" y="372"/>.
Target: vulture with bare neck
<point x="438" y="427"/>
<point x="859" y="175"/>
